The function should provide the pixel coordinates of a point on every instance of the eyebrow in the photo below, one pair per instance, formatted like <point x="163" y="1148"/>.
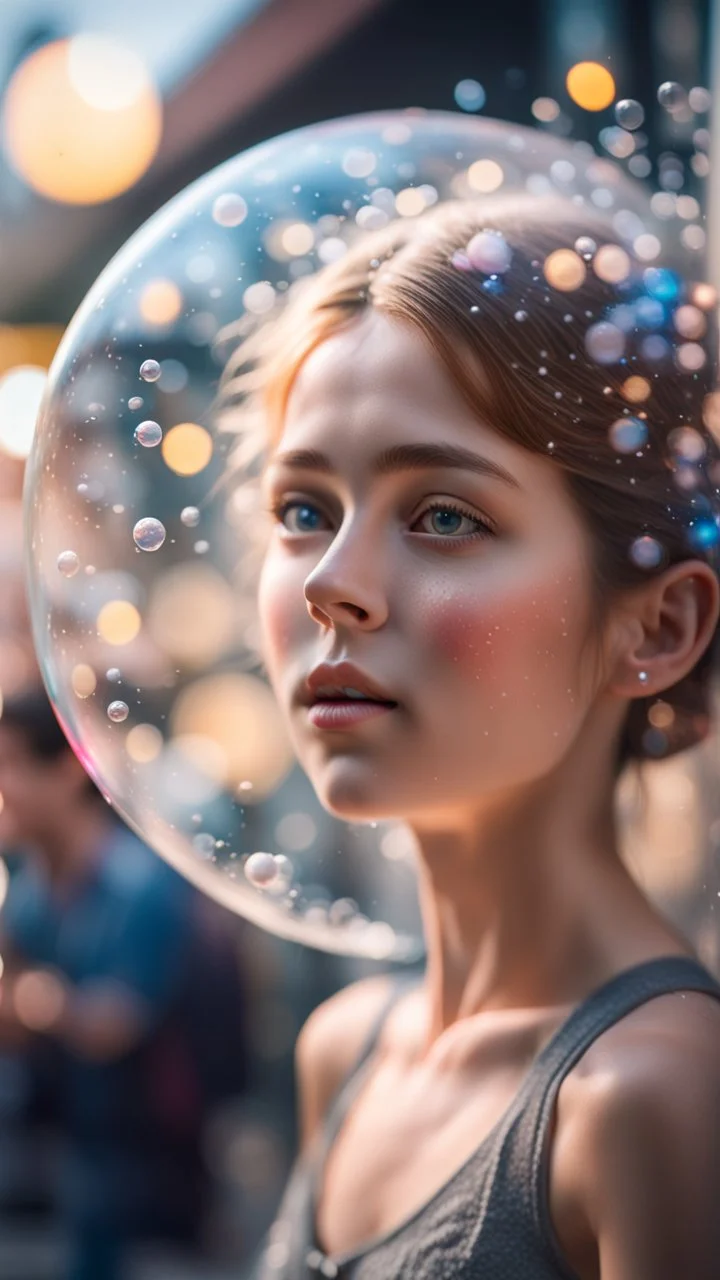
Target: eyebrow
<point x="401" y="457"/>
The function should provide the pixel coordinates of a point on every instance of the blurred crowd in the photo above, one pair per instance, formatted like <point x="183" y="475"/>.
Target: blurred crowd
<point x="147" y="1117"/>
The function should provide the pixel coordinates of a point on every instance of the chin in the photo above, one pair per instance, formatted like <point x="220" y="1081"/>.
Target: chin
<point x="353" y="794"/>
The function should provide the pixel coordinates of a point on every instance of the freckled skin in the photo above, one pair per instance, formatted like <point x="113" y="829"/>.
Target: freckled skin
<point x="485" y="646"/>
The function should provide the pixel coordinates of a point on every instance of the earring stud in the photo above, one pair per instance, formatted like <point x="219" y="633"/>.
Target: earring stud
<point x="643" y="677"/>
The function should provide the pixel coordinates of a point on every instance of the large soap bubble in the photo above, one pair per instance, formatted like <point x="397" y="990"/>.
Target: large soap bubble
<point x="144" y="620"/>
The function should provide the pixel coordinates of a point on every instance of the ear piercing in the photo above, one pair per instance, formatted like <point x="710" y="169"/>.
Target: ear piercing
<point x="643" y="677"/>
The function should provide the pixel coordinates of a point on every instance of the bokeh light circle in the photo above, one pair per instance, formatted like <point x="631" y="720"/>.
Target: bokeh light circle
<point x="82" y="119"/>
<point x="141" y="598"/>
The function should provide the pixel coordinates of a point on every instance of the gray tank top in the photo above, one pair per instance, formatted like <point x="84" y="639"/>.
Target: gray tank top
<point x="491" y="1219"/>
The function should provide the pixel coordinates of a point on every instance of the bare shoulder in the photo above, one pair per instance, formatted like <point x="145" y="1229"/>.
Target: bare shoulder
<point x="635" y="1163"/>
<point x="329" y="1044"/>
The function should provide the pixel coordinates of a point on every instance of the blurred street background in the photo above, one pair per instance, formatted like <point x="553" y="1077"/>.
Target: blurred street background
<point x="156" y="93"/>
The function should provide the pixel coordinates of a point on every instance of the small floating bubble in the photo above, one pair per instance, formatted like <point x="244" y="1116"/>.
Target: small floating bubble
<point x="149" y="534"/>
<point x="201" y="547"/>
<point x="150" y="370"/>
<point x="605" y="343"/>
<point x="627" y="435"/>
<point x="646" y="552"/>
<point x="204" y="844"/>
<point x="229" y="209"/>
<point x="118" y="711"/>
<point x="585" y="246"/>
<point x="148" y="434"/>
<point x="671" y="95"/>
<point x="521" y="315"/>
<point x="135" y="402"/>
<point x="190" y="517"/>
<point x="68" y="563"/>
<point x="488" y="251"/>
<point x="470" y="95"/>
<point x="114" y="675"/>
<point x="629" y="113"/>
<point x="261" y="870"/>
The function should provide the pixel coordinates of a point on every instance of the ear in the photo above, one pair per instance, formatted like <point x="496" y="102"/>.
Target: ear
<point x="666" y="626"/>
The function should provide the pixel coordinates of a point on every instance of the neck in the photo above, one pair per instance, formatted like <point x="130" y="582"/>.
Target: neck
<point x="526" y="902"/>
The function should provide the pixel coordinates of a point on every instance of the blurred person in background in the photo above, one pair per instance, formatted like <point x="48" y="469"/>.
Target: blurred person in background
<point x="121" y="989"/>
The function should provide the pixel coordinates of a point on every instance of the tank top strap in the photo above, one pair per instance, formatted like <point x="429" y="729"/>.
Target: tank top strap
<point x="601" y="1010"/>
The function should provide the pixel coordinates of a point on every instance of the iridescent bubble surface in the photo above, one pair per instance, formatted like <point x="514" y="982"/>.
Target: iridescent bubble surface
<point x="203" y="766"/>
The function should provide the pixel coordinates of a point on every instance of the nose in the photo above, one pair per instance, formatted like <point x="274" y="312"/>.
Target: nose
<point x="346" y="588"/>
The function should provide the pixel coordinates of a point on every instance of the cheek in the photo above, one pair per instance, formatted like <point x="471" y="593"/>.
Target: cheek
<point x="281" y="609"/>
<point x="509" y="636"/>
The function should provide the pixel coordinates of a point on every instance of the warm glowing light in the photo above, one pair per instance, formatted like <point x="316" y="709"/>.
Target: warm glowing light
<point x="590" y="85"/>
<point x="612" y="264"/>
<point x="39" y="1000"/>
<point x="409" y="202"/>
<point x="711" y="414"/>
<point x="564" y="270"/>
<point x="705" y="296"/>
<point x="661" y="715"/>
<point x="187" y="448"/>
<point x="193" y="615"/>
<point x="83" y="680"/>
<point x="160" y="302"/>
<point x="238" y="714"/>
<point x="118" y="622"/>
<point x="82" y="120"/>
<point x="21" y="392"/>
<point x="636" y="389"/>
<point x="144" y="743"/>
<point x="297" y="239"/>
<point x="28" y="344"/>
<point x="485" y="176"/>
<point x="545" y="109"/>
<point x="690" y="321"/>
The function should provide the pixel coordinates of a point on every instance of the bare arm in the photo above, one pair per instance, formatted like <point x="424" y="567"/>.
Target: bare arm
<point x="645" y="1151"/>
<point x="329" y="1044"/>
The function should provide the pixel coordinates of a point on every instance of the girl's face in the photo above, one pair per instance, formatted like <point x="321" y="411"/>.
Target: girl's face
<point x="459" y="584"/>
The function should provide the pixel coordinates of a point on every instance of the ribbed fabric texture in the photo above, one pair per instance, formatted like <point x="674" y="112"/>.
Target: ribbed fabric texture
<point x="491" y="1220"/>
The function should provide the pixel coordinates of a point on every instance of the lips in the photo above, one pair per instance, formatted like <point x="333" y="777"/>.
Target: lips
<point x="329" y="682"/>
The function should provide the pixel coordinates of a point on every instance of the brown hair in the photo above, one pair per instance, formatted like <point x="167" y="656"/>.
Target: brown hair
<point x="516" y="344"/>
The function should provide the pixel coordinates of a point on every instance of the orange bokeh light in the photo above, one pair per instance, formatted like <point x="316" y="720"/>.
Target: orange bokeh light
<point x="590" y="86"/>
<point x="187" y="448"/>
<point x="67" y="146"/>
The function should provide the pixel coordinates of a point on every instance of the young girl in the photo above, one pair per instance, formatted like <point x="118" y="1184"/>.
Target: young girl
<point x="493" y="503"/>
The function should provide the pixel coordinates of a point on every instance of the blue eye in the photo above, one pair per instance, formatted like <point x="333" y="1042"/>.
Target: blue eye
<point x="308" y="516"/>
<point x="445" y="519"/>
